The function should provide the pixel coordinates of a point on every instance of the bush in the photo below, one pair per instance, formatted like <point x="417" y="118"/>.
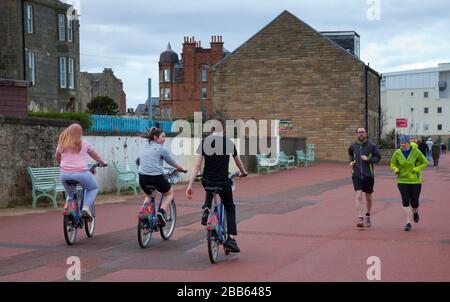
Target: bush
<point x="83" y="118"/>
<point x="103" y="105"/>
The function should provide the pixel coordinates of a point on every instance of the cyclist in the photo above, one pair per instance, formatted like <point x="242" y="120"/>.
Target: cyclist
<point x="71" y="153"/>
<point x="150" y="161"/>
<point x="215" y="150"/>
<point x="363" y="154"/>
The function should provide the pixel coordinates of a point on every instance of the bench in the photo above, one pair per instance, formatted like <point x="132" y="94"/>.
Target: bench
<point x="286" y="161"/>
<point x="302" y="159"/>
<point x="265" y="163"/>
<point x="126" y="174"/>
<point x="46" y="182"/>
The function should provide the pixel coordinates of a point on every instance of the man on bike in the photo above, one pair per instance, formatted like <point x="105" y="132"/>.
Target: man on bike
<point x="215" y="150"/>
<point x="363" y="154"/>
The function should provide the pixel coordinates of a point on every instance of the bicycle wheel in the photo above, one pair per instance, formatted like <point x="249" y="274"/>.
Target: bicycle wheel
<point x="213" y="246"/>
<point x="89" y="226"/>
<point x="224" y="232"/>
<point x="169" y="228"/>
<point x="144" y="234"/>
<point x="70" y="230"/>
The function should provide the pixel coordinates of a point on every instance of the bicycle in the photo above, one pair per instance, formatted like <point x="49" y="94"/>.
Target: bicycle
<point x="148" y="221"/>
<point x="72" y="218"/>
<point x="216" y="233"/>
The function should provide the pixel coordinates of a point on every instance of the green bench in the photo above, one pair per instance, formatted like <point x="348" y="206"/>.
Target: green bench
<point x="46" y="182"/>
<point x="126" y="174"/>
<point x="263" y="163"/>
<point x="286" y="161"/>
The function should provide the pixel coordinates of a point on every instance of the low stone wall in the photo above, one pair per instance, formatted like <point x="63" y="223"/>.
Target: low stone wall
<point x="25" y="142"/>
<point x="386" y="155"/>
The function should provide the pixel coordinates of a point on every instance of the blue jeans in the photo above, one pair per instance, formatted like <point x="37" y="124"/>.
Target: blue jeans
<point x="86" y="181"/>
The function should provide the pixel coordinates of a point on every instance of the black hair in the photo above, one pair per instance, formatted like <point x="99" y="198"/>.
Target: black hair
<point x="152" y="133"/>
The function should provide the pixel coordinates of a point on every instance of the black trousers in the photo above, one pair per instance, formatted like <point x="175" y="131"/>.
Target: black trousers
<point x="226" y="196"/>
<point x="410" y="194"/>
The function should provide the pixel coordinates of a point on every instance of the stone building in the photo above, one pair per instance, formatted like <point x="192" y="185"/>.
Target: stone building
<point x="289" y="71"/>
<point x="39" y="42"/>
<point x="185" y="85"/>
<point x="102" y="84"/>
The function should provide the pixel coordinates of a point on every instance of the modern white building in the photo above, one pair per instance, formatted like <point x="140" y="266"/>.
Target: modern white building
<point x="421" y="96"/>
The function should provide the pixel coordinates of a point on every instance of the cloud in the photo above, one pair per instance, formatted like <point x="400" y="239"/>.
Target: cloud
<point x="129" y="36"/>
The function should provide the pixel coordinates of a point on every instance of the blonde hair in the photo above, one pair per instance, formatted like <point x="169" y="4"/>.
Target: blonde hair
<point x="70" y="139"/>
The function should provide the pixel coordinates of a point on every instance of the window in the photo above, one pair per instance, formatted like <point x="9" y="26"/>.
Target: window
<point x="30" y="28"/>
<point x="70" y="30"/>
<point x="439" y="110"/>
<point x="204" y="74"/>
<point x="71" y="74"/>
<point x="203" y="93"/>
<point x="62" y="73"/>
<point x="167" y="75"/>
<point x="412" y="93"/>
<point x="31" y="68"/>
<point x="62" y="27"/>
<point x="412" y="109"/>
<point x="167" y="94"/>
<point x="425" y="127"/>
<point x="425" y="110"/>
<point x="439" y="128"/>
<point x="425" y="94"/>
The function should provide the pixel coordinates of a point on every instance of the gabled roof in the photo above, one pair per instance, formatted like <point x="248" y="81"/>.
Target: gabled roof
<point x="286" y="14"/>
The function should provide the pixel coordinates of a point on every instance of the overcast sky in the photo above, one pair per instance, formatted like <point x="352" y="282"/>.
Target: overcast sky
<point x="128" y="36"/>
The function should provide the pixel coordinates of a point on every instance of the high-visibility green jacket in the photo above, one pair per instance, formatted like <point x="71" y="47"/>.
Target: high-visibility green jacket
<point x="409" y="169"/>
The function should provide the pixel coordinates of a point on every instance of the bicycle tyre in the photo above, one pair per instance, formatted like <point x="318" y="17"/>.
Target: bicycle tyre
<point x="168" y="230"/>
<point x="144" y="234"/>
<point x="213" y="246"/>
<point x="89" y="226"/>
<point x="70" y="230"/>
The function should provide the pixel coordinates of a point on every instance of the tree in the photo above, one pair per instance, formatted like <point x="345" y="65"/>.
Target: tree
<point x="103" y="105"/>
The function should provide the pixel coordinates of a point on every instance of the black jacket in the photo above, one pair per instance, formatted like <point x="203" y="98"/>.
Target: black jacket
<point x="361" y="168"/>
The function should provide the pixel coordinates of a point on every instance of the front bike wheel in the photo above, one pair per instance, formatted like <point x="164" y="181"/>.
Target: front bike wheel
<point x="89" y="226"/>
<point x="70" y="230"/>
<point x="213" y="246"/>
<point x="144" y="234"/>
<point x="169" y="228"/>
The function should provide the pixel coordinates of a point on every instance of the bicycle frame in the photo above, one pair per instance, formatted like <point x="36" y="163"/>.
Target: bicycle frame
<point x="77" y="217"/>
<point x="219" y="210"/>
<point x="154" y="219"/>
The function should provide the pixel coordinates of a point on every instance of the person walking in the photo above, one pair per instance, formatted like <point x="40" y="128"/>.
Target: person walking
<point x="407" y="163"/>
<point x="435" y="153"/>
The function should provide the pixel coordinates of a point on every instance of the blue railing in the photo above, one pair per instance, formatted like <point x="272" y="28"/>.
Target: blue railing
<point x="104" y="123"/>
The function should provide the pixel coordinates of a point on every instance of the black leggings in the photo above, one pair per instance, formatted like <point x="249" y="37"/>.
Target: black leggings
<point x="410" y="194"/>
<point x="226" y="196"/>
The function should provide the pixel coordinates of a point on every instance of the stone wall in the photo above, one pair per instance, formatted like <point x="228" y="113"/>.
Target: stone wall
<point x="25" y="142"/>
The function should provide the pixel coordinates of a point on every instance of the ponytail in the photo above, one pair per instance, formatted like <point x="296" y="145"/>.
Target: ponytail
<point x="152" y="133"/>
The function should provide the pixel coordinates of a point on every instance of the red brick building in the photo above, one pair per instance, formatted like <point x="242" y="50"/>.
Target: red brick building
<point x="185" y="85"/>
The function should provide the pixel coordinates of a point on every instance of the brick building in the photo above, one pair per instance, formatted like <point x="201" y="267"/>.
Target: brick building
<point x="290" y="71"/>
<point x="39" y="42"/>
<point x="185" y="85"/>
<point x="102" y="84"/>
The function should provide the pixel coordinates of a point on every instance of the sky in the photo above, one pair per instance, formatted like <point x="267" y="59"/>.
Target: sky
<point x="128" y="36"/>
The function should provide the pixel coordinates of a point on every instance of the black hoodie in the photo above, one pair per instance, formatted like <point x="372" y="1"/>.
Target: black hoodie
<point x="361" y="168"/>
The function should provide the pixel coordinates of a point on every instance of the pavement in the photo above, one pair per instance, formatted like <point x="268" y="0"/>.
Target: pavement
<point x="295" y="225"/>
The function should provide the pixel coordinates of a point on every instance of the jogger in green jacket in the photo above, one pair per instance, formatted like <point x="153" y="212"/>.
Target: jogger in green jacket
<point x="407" y="162"/>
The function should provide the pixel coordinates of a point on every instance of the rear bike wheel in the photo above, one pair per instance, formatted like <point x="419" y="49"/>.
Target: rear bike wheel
<point x="144" y="234"/>
<point x="169" y="228"/>
<point x="89" y="226"/>
<point x="213" y="246"/>
<point x="70" y="229"/>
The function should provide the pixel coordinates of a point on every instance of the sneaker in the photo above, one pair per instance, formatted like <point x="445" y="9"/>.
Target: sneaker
<point x="408" y="227"/>
<point x="416" y="217"/>
<point x="232" y="246"/>
<point x="205" y="216"/>
<point x="87" y="213"/>
<point x="367" y="222"/>
<point x="360" y="222"/>
<point x="162" y="220"/>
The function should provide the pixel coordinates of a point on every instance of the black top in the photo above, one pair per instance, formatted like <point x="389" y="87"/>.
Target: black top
<point x="216" y="150"/>
<point x="363" y="169"/>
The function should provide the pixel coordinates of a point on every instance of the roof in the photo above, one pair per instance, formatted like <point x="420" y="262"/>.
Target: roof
<point x="440" y="68"/>
<point x="168" y="56"/>
<point x="283" y="15"/>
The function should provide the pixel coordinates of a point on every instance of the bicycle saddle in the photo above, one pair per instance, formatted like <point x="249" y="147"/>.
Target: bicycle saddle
<point x="72" y="182"/>
<point x="213" y="189"/>
<point x="150" y="188"/>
